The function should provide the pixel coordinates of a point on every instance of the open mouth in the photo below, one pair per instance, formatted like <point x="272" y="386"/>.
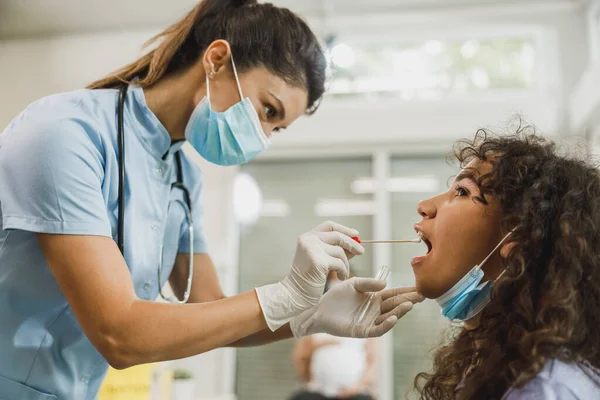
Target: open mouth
<point x="425" y="241"/>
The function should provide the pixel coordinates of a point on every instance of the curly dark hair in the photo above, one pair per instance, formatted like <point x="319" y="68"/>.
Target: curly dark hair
<point x="547" y="304"/>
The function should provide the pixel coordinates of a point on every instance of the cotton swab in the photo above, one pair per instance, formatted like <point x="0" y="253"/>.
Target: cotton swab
<point x="359" y="240"/>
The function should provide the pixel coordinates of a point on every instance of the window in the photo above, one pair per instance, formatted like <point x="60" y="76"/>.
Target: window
<point x="296" y="197"/>
<point x="420" y="332"/>
<point x="597" y="30"/>
<point x="431" y="69"/>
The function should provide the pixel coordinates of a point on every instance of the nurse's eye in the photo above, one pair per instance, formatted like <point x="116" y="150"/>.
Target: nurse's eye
<point x="270" y="112"/>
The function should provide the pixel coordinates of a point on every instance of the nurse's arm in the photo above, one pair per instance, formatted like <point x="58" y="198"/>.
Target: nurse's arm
<point x="205" y="282"/>
<point x="263" y="337"/>
<point x="129" y="331"/>
<point x="206" y="287"/>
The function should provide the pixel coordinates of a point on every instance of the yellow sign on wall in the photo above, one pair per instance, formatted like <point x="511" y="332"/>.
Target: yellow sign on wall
<point x="135" y="383"/>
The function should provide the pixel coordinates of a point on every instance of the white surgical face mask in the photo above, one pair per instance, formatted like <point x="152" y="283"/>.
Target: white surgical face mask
<point x="468" y="297"/>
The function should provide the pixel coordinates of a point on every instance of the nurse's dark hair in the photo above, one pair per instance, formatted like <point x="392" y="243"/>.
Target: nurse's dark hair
<point x="547" y="304"/>
<point x="260" y="35"/>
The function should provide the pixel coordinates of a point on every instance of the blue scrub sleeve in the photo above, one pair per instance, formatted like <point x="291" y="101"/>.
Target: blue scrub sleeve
<point x="51" y="178"/>
<point x="200" y="246"/>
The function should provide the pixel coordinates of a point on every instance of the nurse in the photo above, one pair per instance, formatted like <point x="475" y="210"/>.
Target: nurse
<point x="99" y="208"/>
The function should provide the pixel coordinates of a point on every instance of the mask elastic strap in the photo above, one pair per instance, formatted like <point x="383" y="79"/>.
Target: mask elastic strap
<point x="207" y="88"/>
<point x="500" y="276"/>
<point x="497" y="247"/>
<point x="237" y="80"/>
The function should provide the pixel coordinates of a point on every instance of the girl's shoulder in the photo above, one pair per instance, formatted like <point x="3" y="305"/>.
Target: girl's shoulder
<point x="561" y="380"/>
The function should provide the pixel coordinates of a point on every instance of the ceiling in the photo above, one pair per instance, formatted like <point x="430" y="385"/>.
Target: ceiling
<point x="29" y="18"/>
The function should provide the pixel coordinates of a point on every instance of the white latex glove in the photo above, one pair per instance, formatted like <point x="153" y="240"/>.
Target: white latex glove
<point x="337" y="309"/>
<point x="325" y="248"/>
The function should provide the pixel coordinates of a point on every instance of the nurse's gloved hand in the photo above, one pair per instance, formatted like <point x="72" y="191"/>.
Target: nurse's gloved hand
<point x="337" y="310"/>
<point x="327" y="247"/>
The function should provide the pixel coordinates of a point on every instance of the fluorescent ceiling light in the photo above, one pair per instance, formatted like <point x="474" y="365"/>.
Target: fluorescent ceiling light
<point x="408" y="184"/>
<point x="275" y="208"/>
<point x="343" y="208"/>
<point x="428" y="184"/>
<point x="363" y="185"/>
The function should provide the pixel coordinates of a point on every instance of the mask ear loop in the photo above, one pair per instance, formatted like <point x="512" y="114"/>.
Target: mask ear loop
<point x="496" y="248"/>
<point x="208" y="85"/>
<point x="493" y="251"/>
<point x="237" y="80"/>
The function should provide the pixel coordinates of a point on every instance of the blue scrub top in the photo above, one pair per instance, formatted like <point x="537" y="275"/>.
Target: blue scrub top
<point x="59" y="174"/>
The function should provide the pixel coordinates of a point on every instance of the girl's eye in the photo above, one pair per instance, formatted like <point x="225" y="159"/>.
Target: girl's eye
<point x="461" y="191"/>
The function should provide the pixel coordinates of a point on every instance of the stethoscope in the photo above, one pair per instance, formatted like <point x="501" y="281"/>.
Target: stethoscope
<point x="187" y="204"/>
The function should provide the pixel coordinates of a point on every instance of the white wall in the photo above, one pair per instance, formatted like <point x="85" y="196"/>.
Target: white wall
<point x="584" y="106"/>
<point x="33" y="68"/>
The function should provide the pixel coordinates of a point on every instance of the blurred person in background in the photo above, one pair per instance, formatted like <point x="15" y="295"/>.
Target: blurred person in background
<point x="97" y="199"/>
<point x="331" y="367"/>
<point x="513" y="253"/>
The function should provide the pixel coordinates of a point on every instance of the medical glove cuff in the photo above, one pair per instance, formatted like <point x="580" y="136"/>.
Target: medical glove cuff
<point x="280" y="303"/>
<point x="303" y="325"/>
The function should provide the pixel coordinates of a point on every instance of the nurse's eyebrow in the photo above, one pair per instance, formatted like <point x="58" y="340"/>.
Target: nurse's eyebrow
<point x="279" y="106"/>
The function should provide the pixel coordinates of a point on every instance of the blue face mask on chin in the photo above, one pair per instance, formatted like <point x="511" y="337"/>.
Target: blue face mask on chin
<point x="468" y="297"/>
<point x="232" y="137"/>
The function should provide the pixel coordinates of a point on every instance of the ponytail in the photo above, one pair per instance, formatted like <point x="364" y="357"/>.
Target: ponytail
<point x="260" y="35"/>
<point x="151" y="67"/>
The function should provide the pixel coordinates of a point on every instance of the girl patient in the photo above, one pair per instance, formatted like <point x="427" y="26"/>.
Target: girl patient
<point x="514" y="252"/>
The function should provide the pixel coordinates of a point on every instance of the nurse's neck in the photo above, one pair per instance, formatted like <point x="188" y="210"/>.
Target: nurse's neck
<point x="172" y="100"/>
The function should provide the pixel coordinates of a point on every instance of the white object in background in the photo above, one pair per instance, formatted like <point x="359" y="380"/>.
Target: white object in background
<point x="337" y="366"/>
<point x="332" y="208"/>
<point x="469" y="48"/>
<point x="275" y="208"/>
<point x="343" y="55"/>
<point x="407" y="184"/>
<point x="157" y="390"/>
<point x="183" y="389"/>
<point x="247" y="199"/>
<point x="433" y="47"/>
<point x="479" y="77"/>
